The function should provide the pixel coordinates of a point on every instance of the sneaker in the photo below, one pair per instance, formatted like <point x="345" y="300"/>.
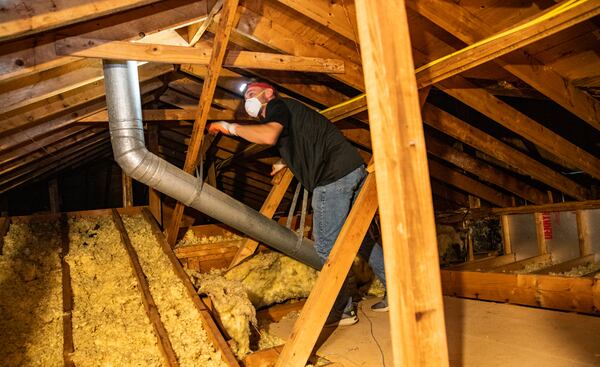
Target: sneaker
<point x="345" y="318"/>
<point x="381" y="306"/>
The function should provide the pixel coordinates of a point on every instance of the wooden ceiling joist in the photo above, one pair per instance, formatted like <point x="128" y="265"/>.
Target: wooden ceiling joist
<point x="479" y="140"/>
<point x="499" y="111"/>
<point x="440" y="189"/>
<point x="120" y="50"/>
<point x="38" y="53"/>
<point x="469" y="28"/>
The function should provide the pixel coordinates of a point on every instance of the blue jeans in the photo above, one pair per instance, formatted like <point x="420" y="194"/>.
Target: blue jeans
<point x="331" y="204"/>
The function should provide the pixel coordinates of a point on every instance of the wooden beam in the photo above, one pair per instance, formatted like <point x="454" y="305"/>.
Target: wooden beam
<point x="54" y="195"/>
<point x="208" y="90"/>
<point x="165" y="115"/>
<point x="164" y="344"/>
<point x="126" y="190"/>
<point x="465" y="91"/>
<point x="583" y="232"/>
<point x="446" y="193"/>
<point x="212" y="331"/>
<point x="268" y="210"/>
<point x="553" y="20"/>
<point x="406" y="209"/>
<point x="196" y="30"/>
<point x="119" y="50"/>
<point x="464" y="132"/>
<point x="27" y="56"/>
<point x="154" y="200"/>
<point x="67" y="292"/>
<point x="484" y="170"/>
<point x="469" y="28"/>
<point x="569" y="294"/>
<point x="541" y="219"/>
<point x="466" y="183"/>
<point x="19" y="19"/>
<point x="307" y="328"/>
<point x="506" y="241"/>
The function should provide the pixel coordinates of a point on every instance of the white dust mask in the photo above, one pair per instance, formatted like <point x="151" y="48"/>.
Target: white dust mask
<point x="253" y="105"/>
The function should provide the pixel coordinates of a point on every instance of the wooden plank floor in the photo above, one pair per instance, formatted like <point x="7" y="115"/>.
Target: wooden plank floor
<point x="480" y="334"/>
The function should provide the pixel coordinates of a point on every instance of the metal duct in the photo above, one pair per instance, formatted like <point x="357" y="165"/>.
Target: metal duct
<point x="127" y="137"/>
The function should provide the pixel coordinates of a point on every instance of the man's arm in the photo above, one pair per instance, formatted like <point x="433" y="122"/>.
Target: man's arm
<point x="266" y="133"/>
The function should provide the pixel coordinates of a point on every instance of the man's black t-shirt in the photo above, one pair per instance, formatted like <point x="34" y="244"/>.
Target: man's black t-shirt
<point x="311" y="146"/>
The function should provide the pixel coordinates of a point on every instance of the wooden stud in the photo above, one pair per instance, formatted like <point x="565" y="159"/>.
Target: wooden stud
<point x="268" y="209"/>
<point x="164" y="343"/>
<point x="154" y="200"/>
<point x="583" y="232"/>
<point x="126" y="190"/>
<point x="67" y="293"/>
<point x="406" y="209"/>
<point x="506" y="242"/>
<point x="541" y="220"/>
<point x="307" y="328"/>
<point x="119" y="50"/>
<point x="209" y="325"/>
<point x="54" y="195"/>
<point x="208" y="90"/>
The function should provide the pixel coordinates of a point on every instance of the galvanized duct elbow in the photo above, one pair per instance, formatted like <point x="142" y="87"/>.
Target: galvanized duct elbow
<point x="127" y="137"/>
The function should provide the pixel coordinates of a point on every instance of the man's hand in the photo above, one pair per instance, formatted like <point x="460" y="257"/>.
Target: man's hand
<point x="278" y="166"/>
<point x="223" y="128"/>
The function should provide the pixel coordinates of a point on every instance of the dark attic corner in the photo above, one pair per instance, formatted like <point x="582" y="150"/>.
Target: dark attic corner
<point x="287" y="183"/>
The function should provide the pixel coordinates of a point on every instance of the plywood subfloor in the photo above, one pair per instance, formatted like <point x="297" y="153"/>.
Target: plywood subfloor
<point x="480" y="334"/>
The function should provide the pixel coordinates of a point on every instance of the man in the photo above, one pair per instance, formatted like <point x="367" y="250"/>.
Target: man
<point x="324" y="162"/>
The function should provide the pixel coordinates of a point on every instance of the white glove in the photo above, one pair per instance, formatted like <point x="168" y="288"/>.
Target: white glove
<point x="222" y="127"/>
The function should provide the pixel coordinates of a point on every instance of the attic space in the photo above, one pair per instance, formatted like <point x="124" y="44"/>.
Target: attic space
<point x="291" y="183"/>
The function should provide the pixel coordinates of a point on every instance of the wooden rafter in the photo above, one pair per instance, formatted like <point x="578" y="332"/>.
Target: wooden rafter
<point x="464" y="132"/>
<point x="208" y="89"/>
<point x="119" y="50"/>
<point x="31" y="55"/>
<point x="196" y="30"/>
<point x="168" y="115"/>
<point x="43" y="16"/>
<point x="548" y="23"/>
<point x="521" y="124"/>
<point x="469" y="28"/>
<point x="416" y="308"/>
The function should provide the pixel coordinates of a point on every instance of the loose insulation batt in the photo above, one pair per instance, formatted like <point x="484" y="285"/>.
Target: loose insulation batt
<point x="110" y="325"/>
<point x="31" y="296"/>
<point x="177" y="311"/>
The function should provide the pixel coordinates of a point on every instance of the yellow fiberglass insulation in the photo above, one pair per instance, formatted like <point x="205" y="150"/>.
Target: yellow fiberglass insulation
<point x="110" y="326"/>
<point x="177" y="311"/>
<point x="31" y="327"/>
<point x="580" y="270"/>
<point x="191" y="239"/>
<point x="270" y="278"/>
<point x="233" y="307"/>
<point x="367" y="282"/>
